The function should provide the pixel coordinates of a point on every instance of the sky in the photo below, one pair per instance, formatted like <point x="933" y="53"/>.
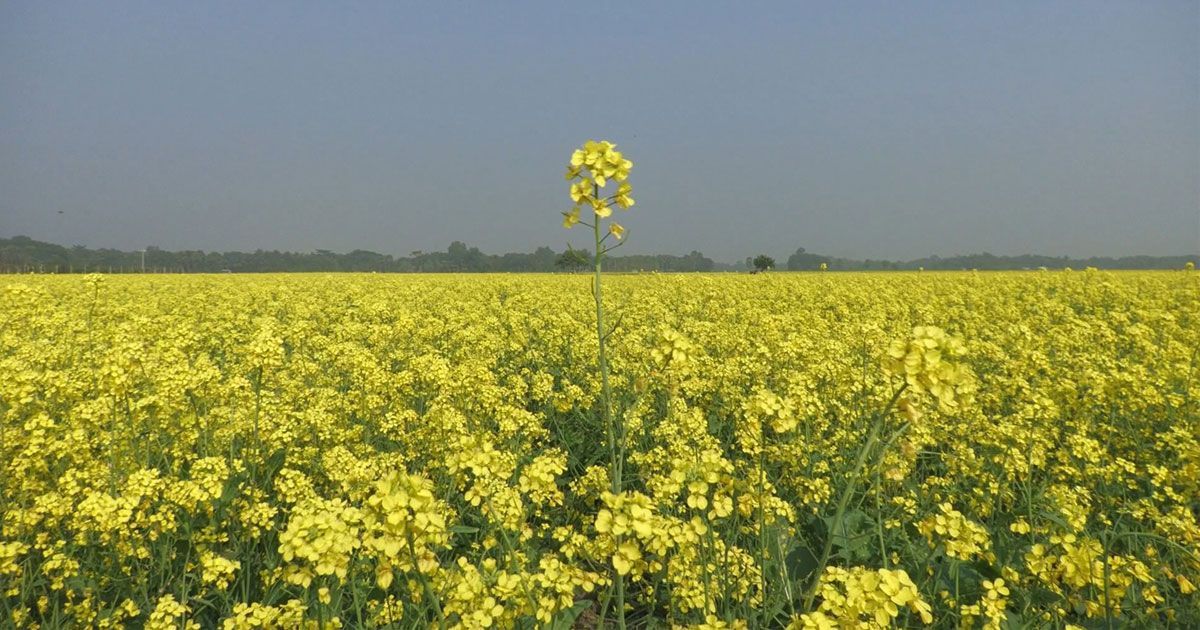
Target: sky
<point x="858" y="129"/>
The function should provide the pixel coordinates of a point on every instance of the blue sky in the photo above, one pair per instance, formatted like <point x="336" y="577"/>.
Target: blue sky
<point x="856" y="129"/>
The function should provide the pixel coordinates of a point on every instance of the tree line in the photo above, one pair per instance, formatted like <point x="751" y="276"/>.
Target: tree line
<point x="21" y="254"/>
<point x="803" y="260"/>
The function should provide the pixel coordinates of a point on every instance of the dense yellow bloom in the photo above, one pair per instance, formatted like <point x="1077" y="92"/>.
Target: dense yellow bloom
<point x="602" y="160"/>
<point x="295" y="450"/>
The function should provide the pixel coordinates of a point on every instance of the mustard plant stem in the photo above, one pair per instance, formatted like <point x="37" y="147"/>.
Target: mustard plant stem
<point x="610" y="421"/>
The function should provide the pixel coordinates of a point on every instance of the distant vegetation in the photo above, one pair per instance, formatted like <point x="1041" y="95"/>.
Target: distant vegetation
<point x="763" y="262"/>
<point x="23" y="254"/>
<point x="803" y="260"/>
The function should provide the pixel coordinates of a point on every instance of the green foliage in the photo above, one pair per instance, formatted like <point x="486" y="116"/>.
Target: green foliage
<point x="572" y="260"/>
<point x="805" y="261"/>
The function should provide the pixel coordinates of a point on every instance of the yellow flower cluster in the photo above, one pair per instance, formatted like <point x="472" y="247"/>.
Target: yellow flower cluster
<point x="865" y="598"/>
<point x="961" y="537"/>
<point x="627" y="517"/>
<point x="592" y="167"/>
<point x="778" y="412"/>
<point x="539" y="479"/>
<point x="673" y="349"/>
<point x="991" y="606"/>
<point x="318" y="540"/>
<point x="926" y="363"/>
<point x="10" y="568"/>
<point x="404" y="526"/>
<point x="217" y="570"/>
<point x="1078" y="569"/>
<point x="251" y="616"/>
<point x="169" y="614"/>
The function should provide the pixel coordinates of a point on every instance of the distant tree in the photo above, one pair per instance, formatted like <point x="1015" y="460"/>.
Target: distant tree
<point x="543" y="259"/>
<point x="458" y="253"/>
<point x="463" y="258"/>
<point x="804" y="261"/>
<point x="763" y="262"/>
<point x="572" y="260"/>
<point x="696" y="261"/>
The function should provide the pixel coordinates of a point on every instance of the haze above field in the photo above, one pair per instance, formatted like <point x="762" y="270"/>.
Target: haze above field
<point x="884" y="130"/>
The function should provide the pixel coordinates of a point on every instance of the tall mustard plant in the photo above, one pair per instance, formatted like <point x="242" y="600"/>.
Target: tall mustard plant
<point x="593" y="167"/>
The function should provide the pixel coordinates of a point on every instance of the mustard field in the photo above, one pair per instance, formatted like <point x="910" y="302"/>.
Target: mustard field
<point x="819" y="450"/>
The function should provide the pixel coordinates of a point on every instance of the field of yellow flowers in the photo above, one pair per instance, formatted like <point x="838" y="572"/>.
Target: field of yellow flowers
<point x="807" y="450"/>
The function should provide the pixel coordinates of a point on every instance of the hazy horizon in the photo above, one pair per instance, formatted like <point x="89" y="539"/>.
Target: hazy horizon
<point x="780" y="258"/>
<point x="854" y="130"/>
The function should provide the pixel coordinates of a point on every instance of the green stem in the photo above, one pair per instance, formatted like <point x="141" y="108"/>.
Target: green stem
<point x="604" y="602"/>
<point x="257" y="419"/>
<point x="787" y="579"/>
<point x="762" y="520"/>
<point x="879" y="519"/>
<point x="606" y="392"/>
<point x="610" y="421"/>
<point x="425" y="586"/>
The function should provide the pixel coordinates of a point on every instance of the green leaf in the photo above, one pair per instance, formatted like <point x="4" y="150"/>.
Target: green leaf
<point x="275" y="461"/>
<point x="852" y="537"/>
<point x="565" y="619"/>
<point x="800" y="563"/>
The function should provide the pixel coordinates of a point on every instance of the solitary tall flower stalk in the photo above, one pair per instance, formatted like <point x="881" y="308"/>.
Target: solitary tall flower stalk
<point x="593" y="167"/>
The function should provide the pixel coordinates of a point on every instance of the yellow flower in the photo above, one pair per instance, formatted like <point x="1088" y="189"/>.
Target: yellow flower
<point x="601" y="208"/>
<point x="995" y="589"/>
<point x="1185" y="585"/>
<point x="616" y="230"/>
<point x="622" y="197"/>
<point x="627" y="554"/>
